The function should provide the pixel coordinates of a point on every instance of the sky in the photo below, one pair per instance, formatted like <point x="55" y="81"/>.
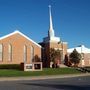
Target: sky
<point x="71" y="19"/>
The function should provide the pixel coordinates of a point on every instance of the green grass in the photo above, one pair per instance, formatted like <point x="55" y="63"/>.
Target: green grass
<point x="47" y="71"/>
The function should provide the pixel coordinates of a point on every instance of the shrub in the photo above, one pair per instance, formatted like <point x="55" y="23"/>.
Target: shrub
<point x="9" y="66"/>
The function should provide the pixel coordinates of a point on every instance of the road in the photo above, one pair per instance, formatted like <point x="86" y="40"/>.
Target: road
<point x="74" y="83"/>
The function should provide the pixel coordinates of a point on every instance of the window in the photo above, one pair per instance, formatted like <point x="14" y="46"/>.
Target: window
<point x="32" y="54"/>
<point x="1" y="52"/>
<point x="83" y="63"/>
<point x="25" y="53"/>
<point x="10" y="52"/>
<point x="89" y="60"/>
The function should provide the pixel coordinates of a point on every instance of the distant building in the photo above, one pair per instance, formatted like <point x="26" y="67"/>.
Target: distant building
<point x="17" y="48"/>
<point x="51" y="41"/>
<point x="85" y="53"/>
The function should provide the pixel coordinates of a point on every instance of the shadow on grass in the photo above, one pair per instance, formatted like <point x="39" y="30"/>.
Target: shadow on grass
<point x="61" y="86"/>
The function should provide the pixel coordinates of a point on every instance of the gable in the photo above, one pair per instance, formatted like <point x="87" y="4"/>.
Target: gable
<point x="17" y="32"/>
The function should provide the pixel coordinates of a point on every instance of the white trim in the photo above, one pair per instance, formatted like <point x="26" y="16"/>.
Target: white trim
<point x="65" y="42"/>
<point x="80" y="49"/>
<point x="31" y="54"/>
<point x="89" y="61"/>
<point x="1" y="52"/>
<point x="83" y="63"/>
<point x="15" y="32"/>
<point x="57" y="48"/>
<point x="9" y="52"/>
<point x="25" y="53"/>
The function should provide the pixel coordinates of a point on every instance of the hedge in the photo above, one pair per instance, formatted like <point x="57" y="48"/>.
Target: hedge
<point x="9" y="66"/>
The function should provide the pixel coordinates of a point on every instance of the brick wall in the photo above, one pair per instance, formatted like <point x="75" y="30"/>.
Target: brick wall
<point x="17" y="42"/>
<point x="46" y="54"/>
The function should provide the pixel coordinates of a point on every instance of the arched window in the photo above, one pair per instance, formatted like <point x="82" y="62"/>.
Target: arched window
<point x="25" y="53"/>
<point x="32" y="54"/>
<point x="1" y="52"/>
<point x="10" y="52"/>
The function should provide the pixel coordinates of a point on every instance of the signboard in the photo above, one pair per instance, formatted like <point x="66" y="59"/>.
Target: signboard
<point x="28" y="67"/>
<point x="36" y="66"/>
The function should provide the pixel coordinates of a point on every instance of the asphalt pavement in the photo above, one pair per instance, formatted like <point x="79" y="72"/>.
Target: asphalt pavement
<point x="71" y="83"/>
<point x="42" y="77"/>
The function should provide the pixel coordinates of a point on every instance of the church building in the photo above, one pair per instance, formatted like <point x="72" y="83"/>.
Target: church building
<point x="51" y="41"/>
<point x="85" y="55"/>
<point x="17" y="48"/>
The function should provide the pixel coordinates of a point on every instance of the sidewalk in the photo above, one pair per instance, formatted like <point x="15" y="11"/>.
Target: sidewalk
<point x="42" y="77"/>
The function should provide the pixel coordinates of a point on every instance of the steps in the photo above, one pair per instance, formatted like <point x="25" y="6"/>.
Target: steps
<point x="63" y="66"/>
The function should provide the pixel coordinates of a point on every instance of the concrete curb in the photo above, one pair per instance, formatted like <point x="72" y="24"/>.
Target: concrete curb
<point x="42" y="77"/>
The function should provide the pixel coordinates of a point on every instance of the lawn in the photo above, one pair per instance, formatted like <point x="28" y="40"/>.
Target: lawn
<point x="46" y="71"/>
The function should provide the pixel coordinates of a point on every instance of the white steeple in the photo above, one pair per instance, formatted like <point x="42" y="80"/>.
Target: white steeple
<point x="51" y="30"/>
<point x="51" y="35"/>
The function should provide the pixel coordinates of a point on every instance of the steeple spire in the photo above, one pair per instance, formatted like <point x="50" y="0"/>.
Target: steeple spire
<point x="51" y="31"/>
<point x="51" y="35"/>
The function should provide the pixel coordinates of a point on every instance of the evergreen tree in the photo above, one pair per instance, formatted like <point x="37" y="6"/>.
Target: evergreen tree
<point x="75" y="57"/>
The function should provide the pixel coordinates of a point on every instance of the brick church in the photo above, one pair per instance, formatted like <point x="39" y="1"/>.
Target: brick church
<point x="51" y="41"/>
<point x="17" y="48"/>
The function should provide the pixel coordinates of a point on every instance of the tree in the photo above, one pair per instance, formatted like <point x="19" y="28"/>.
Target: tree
<point x="55" y="56"/>
<point x="75" y="57"/>
<point x="36" y="58"/>
<point x="52" y="54"/>
<point x="66" y="60"/>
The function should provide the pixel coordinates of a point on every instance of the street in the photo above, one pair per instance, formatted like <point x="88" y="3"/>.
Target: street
<point x="74" y="83"/>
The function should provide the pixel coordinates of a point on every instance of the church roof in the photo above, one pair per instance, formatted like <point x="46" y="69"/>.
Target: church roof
<point x="80" y="49"/>
<point x="15" y="32"/>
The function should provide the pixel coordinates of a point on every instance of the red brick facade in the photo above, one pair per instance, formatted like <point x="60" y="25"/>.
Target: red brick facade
<point x="85" y="61"/>
<point x="17" y="40"/>
<point x="46" y="52"/>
